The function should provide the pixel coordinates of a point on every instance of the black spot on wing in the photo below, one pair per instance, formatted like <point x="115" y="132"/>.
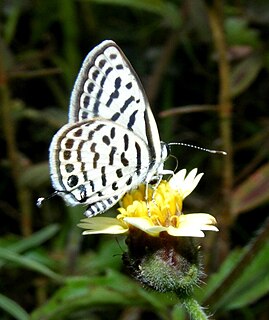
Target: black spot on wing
<point x="132" y="120"/>
<point x="114" y="186"/>
<point x="85" y="176"/>
<point x="69" y="143"/>
<point x="69" y="167"/>
<point x="129" y="181"/>
<point x="106" y="140"/>
<point x="109" y="201"/>
<point x="90" y="135"/>
<point x="117" y="83"/>
<point x="103" y="176"/>
<point x="78" y="132"/>
<point x="96" y="108"/>
<point x="113" y="56"/>
<point x="111" y="155"/>
<point x="126" y="104"/>
<point x="115" y="116"/>
<point x="96" y="155"/>
<point x="138" y="158"/>
<point x="92" y="185"/>
<point x="108" y="71"/>
<point x="92" y="132"/>
<point x="84" y="115"/>
<point x="79" y="151"/>
<point x="97" y="102"/>
<point x="129" y="85"/>
<point x="95" y="159"/>
<point x="102" y="63"/>
<point x="83" y="193"/>
<point x="86" y="101"/>
<point x="72" y="181"/>
<point x="102" y="82"/>
<point x="124" y="160"/>
<point x="67" y="155"/>
<point x="112" y="132"/>
<point x="99" y="127"/>
<point x="119" y="173"/>
<point x="126" y="142"/>
<point x="115" y="93"/>
<point x="95" y="74"/>
<point x="90" y="87"/>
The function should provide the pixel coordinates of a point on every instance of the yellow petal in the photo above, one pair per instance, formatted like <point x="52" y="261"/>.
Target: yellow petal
<point x="106" y="225"/>
<point x="140" y="223"/>
<point x="145" y="225"/>
<point x="183" y="183"/>
<point x="191" y="225"/>
<point x="184" y="232"/>
<point x="197" y="219"/>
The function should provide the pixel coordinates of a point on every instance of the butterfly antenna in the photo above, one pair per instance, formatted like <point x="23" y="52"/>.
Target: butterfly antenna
<point x="196" y="147"/>
<point x="40" y="200"/>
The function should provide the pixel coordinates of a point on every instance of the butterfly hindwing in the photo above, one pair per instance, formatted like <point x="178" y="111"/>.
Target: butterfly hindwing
<point x="95" y="160"/>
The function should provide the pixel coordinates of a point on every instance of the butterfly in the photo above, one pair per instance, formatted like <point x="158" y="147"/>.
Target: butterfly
<point x="111" y="143"/>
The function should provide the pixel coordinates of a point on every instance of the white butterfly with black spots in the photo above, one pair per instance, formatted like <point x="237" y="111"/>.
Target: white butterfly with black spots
<point x="111" y="143"/>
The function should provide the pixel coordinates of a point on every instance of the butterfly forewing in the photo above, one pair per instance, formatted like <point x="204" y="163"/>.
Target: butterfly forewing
<point x="108" y="87"/>
<point x="111" y="143"/>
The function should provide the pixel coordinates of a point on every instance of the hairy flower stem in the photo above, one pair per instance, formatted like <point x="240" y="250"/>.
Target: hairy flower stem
<point x="192" y="307"/>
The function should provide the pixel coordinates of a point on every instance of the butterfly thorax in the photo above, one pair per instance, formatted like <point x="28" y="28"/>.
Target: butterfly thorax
<point x="156" y="169"/>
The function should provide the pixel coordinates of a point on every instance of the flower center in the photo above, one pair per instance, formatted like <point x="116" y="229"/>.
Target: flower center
<point x="162" y="208"/>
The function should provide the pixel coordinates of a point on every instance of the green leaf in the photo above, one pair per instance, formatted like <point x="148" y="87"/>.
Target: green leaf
<point x="168" y="10"/>
<point x="251" y="285"/>
<point x="85" y="293"/>
<point x="35" y="240"/>
<point x="245" y="73"/>
<point x="178" y="313"/>
<point x="253" y="192"/>
<point x="35" y="176"/>
<point x="217" y="278"/>
<point x="239" y="33"/>
<point x="31" y="242"/>
<point x="29" y="263"/>
<point x="13" y="308"/>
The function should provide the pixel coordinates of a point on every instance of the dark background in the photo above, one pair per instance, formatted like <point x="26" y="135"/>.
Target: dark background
<point x="204" y="66"/>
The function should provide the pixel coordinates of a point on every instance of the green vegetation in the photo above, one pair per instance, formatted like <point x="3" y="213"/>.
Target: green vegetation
<point x="204" y="66"/>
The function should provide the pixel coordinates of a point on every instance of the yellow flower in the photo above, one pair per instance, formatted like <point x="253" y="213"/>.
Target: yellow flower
<point x="161" y="212"/>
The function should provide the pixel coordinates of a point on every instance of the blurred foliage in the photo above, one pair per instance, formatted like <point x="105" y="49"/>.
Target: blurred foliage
<point x="48" y="271"/>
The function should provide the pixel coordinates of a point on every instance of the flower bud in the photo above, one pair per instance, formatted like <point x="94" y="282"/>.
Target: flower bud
<point x="164" y="263"/>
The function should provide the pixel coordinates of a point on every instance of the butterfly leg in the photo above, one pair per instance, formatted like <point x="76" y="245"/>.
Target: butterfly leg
<point x="159" y="179"/>
<point x="147" y="198"/>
